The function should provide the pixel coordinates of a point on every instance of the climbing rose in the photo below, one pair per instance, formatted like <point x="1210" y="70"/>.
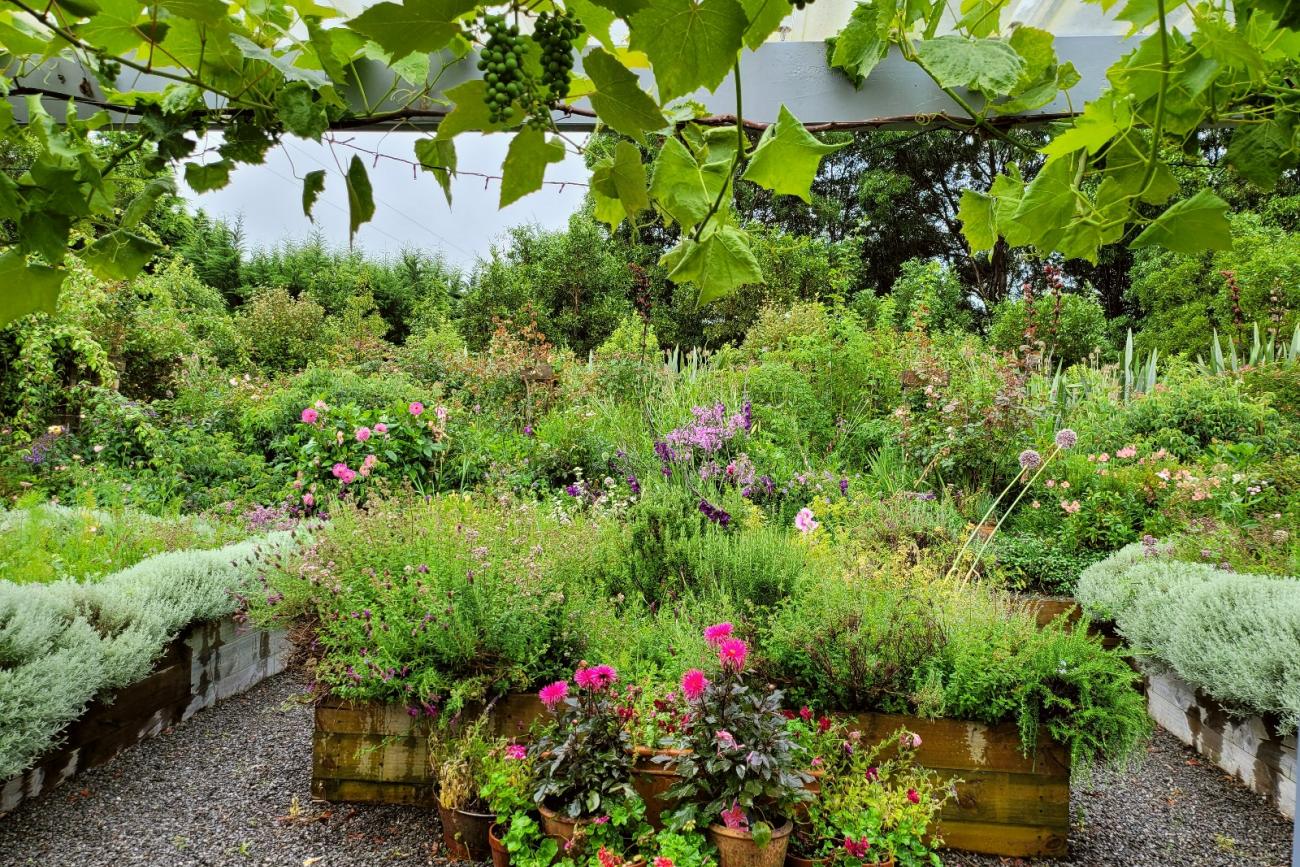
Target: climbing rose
<point x="732" y="653"/>
<point x="1030" y="460"/>
<point x="596" y="678"/>
<point x="517" y="751"/>
<point x="416" y="407"/>
<point x="1066" y="438"/>
<point x="362" y="434"/>
<point x="309" y="416"/>
<point x="804" y="522"/>
<point x="694" y="683"/>
<point x="717" y="633"/>
<point x="554" y="693"/>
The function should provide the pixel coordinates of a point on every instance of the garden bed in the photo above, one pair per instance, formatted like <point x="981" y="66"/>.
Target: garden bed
<point x="1046" y="609"/>
<point x="208" y="662"/>
<point x="1249" y="748"/>
<point x="1008" y="803"/>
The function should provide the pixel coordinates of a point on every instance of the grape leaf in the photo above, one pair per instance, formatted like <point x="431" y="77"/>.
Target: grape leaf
<point x="1260" y="152"/>
<point x="204" y="178"/>
<point x="26" y="288"/>
<point x="690" y="43"/>
<point x="981" y="17"/>
<point x="284" y="63"/>
<point x="607" y="210"/>
<point x="525" y="165"/>
<point x="299" y="111"/>
<point x="438" y="157"/>
<point x="860" y="45"/>
<point x="119" y="255"/>
<point x="678" y="185"/>
<point x="1102" y="120"/>
<point x="618" y="97"/>
<point x="623" y="178"/>
<point x="1190" y="226"/>
<point x="312" y="186"/>
<point x="414" y="25"/>
<point x="717" y="264"/>
<point x="977" y="220"/>
<point x="765" y="16"/>
<point x="596" y="19"/>
<point x="115" y="27"/>
<point x="1048" y="205"/>
<point x="361" y="198"/>
<point x="787" y="157"/>
<point x="987" y="65"/>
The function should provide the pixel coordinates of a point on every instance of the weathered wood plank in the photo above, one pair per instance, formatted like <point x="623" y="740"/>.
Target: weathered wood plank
<point x="367" y="792"/>
<point x="1010" y="841"/>
<point x="959" y="745"/>
<point x="394" y="759"/>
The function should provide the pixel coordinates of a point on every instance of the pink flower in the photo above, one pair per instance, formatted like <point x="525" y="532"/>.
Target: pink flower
<point x="368" y="464"/>
<point x="661" y="861"/>
<point x="1070" y="507"/>
<point x="803" y="522"/>
<point x="1102" y="458"/>
<point x="517" y="752"/>
<point x="694" y="683"/>
<point x="362" y="434"/>
<point x="308" y="500"/>
<point x="1127" y="452"/>
<point x="717" y="633"/>
<point x="735" y="817"/>
<point x="309" y="416"/>
<point x="1051" y="483"/>
<point x="732" y="653"/>
<point x="909" y="740"/>
<point x="726" y="740"/>
<point x="857" y="848"/>
<point x="338" y="470"/>
<point x="415" y="408"/>
<point x="873" y="774"/>
<point x="441" y="412"/>
<point x="553" y="694"/>
<point x="595" y="678"/>
<point x="805" y="713"/>
<point x="913" y="796"/>
<point x="381" y="428"/>
<point x="601" y="820"/>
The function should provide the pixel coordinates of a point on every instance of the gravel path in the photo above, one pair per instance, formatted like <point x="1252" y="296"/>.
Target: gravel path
<point x="231" y="787"/>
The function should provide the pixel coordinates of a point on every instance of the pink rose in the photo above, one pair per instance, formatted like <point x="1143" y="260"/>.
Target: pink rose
<point x="309" y="416"/>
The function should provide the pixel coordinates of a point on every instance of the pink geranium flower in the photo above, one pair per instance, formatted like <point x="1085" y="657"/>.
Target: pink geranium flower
<point x="595" y="677"/>
<point x="416" y="407"/>
<point x="553" y="694"/>
<point x="717" y="633"/>
<point x="362" y="434"/>
<point x="732" y="653"/>
<point x="694" y="683"/>
<point x="913" y="796"/>
<point x="517" y="752"/>
<point x="309" y="416"/>
<point x="661" y="861"/>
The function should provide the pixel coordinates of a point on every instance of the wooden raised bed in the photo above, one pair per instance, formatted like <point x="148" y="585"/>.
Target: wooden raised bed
<point x="1047" y="608"/>
<point x="206" y="663"/>
<point x="1008" y="804"/>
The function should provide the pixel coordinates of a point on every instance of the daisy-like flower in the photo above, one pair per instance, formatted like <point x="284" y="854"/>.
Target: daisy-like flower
<point x="554" y="693"/>
<point x="309" y="416"/>
<point x="717" y="633"/>
<point x="595" y="677"/>
<point x="694" y="683"/>
<point x="732" y="653"/>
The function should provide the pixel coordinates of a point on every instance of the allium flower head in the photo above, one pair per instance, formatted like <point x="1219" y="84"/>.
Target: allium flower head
<point x="804" y="521"/>
<point x="694" y="683"/>
<point x="415" y="408"/>
<point x="517" y="752"/>
<point x="595" y="677"/>
<point x="1030" y="460"/>
<point x="732" y="653"/>
<point x="717" y="633"/>
<point x="1066" y="438"/>
<point x="553" y="694"/>
<point x="309" y="416"/>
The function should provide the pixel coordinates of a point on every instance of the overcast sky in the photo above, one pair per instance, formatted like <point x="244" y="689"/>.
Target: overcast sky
<point x="409" y="211"/>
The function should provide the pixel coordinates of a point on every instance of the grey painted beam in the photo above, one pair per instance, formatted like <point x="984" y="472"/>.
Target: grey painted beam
<point x="791" y="73"/>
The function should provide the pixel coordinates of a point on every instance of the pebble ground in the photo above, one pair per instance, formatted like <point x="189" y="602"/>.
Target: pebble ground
<point x="232" y="787"/>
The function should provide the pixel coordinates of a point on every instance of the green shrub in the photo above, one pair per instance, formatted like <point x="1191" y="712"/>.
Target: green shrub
<point x="1023" y="561"/>
<point x="283" y="333"/>
<point x="1188" y="412"/>
<point x="928" y="296"/>
<point x="1078" y="332"/>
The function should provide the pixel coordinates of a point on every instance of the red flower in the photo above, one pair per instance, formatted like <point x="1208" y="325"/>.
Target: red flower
<point x="824" y="724"/>
<point x="913" y="796"/>
<point x="805" y="713"/>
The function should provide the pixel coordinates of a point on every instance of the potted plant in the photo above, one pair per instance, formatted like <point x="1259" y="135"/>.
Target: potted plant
<point x="583" y="761"/>
<point x="741" y="770"/>
<point x="458" y="759"/>
<point x="652" y="717"/>
<point x="876" y="807"/>
<point x="507" y="790"/>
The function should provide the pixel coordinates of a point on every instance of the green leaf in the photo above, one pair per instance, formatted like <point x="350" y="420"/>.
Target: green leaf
<point x="623" y="178"/>
<point x="26" y="288"/>
<point x="1048" y="205"/>
<point x="678" y="185"/>
<point x="414" y="25"/>
<point x="470" y="112"/>
<point x="978" y="221"/>
<point x="299" y="111"/>
<point x="119" y="255"/>
<point x="596" y="19"/>
<point x="361" y="198"/>
<point x="1126" y="164"/>
<point x="1101" y="121"/>
<point x="1190" y="226"/>
<point x="210" y="12"/>
<point x="690" y="44"/>
<point x="1260" y="152"/>
<point x="717" y="264"/>
<point x="438" y="158"/>
<point x="283" y="63"/>
<point x="525" y="164"/>
<point x="618" y="98"/>
<point x="204" y="178"/>
<point x="765" y="16"/>
<point x="115" y="27"/>
<point x="1037" y="48"/>
<point x="607" y="210"/>
<point x="144" y="201"/>
<point x="787" y="157"/>
<point x="990" y="66"/>
<point x="312" y="186"/>
<point x="861" y="44"/>
<point x="981" y="17"/>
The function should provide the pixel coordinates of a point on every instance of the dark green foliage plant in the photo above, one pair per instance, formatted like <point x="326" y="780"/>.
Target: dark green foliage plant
<point x="1071" y="335"/>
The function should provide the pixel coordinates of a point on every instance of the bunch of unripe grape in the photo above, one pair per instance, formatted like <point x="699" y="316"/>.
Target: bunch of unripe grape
<point x="502" y="64"/>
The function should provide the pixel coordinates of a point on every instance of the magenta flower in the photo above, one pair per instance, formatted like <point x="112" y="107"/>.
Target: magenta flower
<point x="362" y="434"/>
<point x="309" y="416"/>
<point x="732" y="653"/>
<point x="308" y="500"/>
<point x="381" y="428"/>
<point x="553" y="694"/>
<point x="913" y="796"/>
<point x="661" y="861"/>
<point x="873" y="774"/>
<point x="601" y="820"/>
<point x="803" y="522"/>
<point x="718" y="633"/>
<point x="857" y="848"/>
<point x="694" y="683"/>
<point x="338" y="470"/>
<point x="517" y="752"/>
<point x="415" y="408"/>
<point x="595" y="677"/>
<point x="735" y="817"/>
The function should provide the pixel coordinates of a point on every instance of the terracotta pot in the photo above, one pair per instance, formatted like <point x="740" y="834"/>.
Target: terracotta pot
<point x="500" y="854"/>
<point x="652" y="779"/>
<point x="465" y="834"/>
<point x="557" y="826"/>
<point x="737" y="848"/>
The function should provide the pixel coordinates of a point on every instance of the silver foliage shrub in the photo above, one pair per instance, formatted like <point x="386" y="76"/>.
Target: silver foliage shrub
<point x="63" y="643"/>
<point x="1235" y="637"/>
